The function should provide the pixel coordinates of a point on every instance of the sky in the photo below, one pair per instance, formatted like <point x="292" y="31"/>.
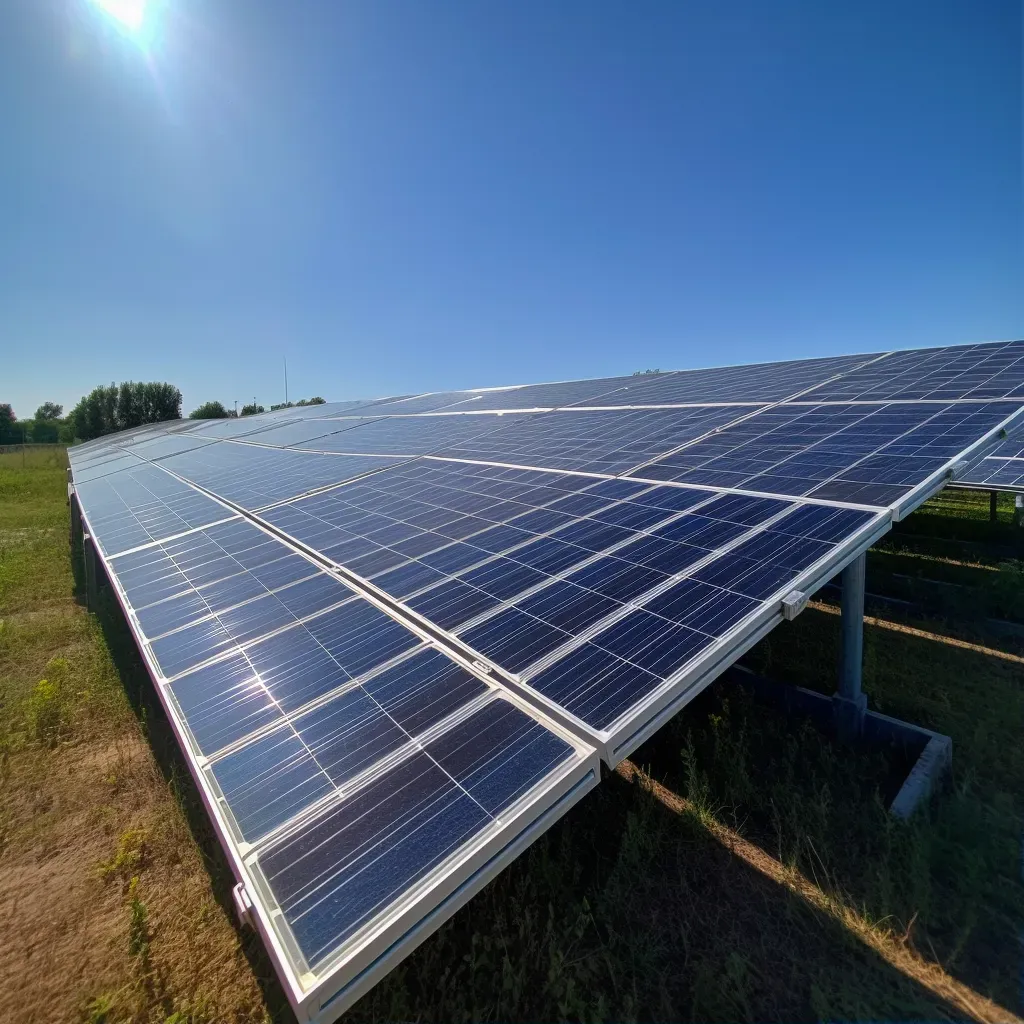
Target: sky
<point x="408" y="196"/>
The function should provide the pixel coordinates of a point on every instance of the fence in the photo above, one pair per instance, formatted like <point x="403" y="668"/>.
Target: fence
<point x="35" y="455"/>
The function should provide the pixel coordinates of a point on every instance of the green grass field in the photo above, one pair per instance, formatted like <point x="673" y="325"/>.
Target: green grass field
<point x="750" y="871"/>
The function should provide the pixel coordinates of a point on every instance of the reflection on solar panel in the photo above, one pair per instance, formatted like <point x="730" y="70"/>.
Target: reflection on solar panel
<point x="1001" y="469"/>
<point x="396" y="637"/>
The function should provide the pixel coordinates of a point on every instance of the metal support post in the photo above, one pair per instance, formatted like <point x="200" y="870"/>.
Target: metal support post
<point x="1018" y="510"/>
<point x="993" y="506"/>
<point x="91" y="568"/>
<point x="75" y="525"/>
<point x="849" y="703"/>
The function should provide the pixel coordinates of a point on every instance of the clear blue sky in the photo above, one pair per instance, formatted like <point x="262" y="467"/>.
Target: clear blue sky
<point x="408" y="196"/>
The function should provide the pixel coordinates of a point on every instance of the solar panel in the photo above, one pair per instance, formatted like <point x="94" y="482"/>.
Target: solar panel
<point x="395" y="637"/>
<point x="1001" y="469"/>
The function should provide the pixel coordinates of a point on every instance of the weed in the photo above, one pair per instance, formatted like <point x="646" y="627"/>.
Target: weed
<point x="130" y="857"/>
<point x="198" y="1011"/>
<point x="99" y="1010"/>
<point x="138" y="927"/>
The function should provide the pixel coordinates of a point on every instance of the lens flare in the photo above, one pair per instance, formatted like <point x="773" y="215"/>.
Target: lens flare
<point x="130" y="15"/>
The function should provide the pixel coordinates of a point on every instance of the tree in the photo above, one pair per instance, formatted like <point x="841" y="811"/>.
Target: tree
<point x="108" y="409"/>
<point x="251" y="410"/>
<point x="210" y="411"/>
<point x="49" y="411"/>
<point x="7" y="420"/>
<point x="45" y="431"/>
<point x="292" y="405"/>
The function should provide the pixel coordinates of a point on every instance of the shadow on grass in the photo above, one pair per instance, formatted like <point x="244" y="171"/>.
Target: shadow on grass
<point x="144" y="701"/>
<point x="952" y="873"/>
<point x="626" y="910"/>
<point x="623" y="910"/>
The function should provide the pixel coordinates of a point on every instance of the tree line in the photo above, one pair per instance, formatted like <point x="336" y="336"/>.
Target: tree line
<point x="110" y="408"/>
<point x="217" y="410"/>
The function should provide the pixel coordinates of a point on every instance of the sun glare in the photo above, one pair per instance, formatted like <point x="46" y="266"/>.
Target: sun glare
<point x="130" y="15"/>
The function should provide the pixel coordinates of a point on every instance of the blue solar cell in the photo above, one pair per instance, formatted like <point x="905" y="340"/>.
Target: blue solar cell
<point x="269" y="781"/>
<point x="669" y="557"/>
<point x="296" y="669"/>
<point x="452" y="603"/>
<point x="453" y="558"/>
<point x="707" y="609"/>
<point x="701" y="532"/>
<point x="568" y="607"/>
<point x="653" y="643"/>
<point x="514" y="639"/>
<point x="223" y="702"/>
<point x="359" y="856"/>
<point x="758" y="580"/>
<point x="503" y="578"/>
<point x="408" y="578"/>
<point x="359" y="637"/>
<point x="595" y="685"/>
<point x="422" y="690"/>
<point x="621" y="581"/>
<point x="498" y="754"/>
<point x="348" y="734"/>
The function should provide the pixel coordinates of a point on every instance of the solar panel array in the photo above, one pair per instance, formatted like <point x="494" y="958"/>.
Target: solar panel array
<point x="1000" y="469"/>
<point x="396" y="637"/>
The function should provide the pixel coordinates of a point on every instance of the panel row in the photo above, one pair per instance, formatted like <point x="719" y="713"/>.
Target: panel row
<point x="349" y="760"/>
<point x="523" y="566"/>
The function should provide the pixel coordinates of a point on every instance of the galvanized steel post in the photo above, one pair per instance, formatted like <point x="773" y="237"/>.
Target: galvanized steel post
<point x="849" y="702"/>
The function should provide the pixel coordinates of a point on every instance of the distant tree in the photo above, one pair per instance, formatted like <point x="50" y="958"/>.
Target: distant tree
<point x="49" y="411"/>
<point x="210" y="411"/>
<point x="292" y="405"/>
<point x="108" y="409"/>
<point x="45" y="431"/>
<point x="7" y="421"/>
<point x="251" y="410"/>
<point x="643" y="373"/>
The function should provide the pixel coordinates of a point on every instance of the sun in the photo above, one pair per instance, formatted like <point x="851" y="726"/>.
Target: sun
<point x="130" y="15"/>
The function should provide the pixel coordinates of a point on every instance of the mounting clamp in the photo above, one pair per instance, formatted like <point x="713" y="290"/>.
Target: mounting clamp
<point x="793" y="604"/>
<point x="243" y="905"/>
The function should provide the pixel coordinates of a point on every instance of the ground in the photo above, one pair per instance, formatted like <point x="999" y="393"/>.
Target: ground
<point x="740" y="866"/>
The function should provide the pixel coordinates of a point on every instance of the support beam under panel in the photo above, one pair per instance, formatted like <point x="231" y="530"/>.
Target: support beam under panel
<point x="91" y="572"/>
<point x="849" y="702"/>
<point x="75" y="526"/>
<point x="993" y="506"/>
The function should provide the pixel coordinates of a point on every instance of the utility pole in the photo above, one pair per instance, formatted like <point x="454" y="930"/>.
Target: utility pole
<point x="285" y="380"/>
<point x="236" y="408"/>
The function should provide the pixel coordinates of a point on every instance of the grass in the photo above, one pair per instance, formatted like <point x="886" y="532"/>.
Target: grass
<point x="758" y="876"/>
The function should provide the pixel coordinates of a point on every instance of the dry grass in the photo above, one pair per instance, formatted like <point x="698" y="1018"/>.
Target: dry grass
<point x="108" y="909"/>
<point x="754" y="875"/>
